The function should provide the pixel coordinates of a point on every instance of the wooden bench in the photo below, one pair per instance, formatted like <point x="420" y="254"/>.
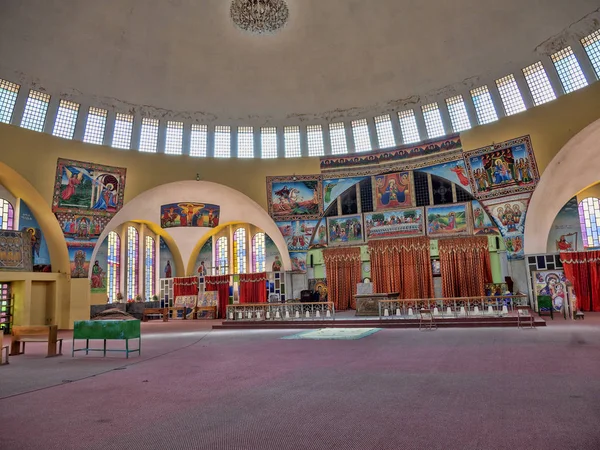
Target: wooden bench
<point x="42" y="333"/>
<point x="525" y="316"/>
<point x="155" y="312"/>
<point x="3" y="349"/>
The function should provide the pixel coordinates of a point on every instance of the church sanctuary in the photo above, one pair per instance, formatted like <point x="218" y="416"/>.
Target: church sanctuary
<point x="189" y="189"/>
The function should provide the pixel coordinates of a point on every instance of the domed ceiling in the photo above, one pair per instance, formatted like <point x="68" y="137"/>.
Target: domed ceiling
<point x="330" y="59"/>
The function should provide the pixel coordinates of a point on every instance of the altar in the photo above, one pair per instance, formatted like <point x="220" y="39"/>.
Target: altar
<point x="368" y="304"/>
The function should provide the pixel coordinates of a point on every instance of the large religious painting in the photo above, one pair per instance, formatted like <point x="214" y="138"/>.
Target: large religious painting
<point x="503" y="169"/>
<point x="80" y="255"/>
<point x="82" y="187"/>
<point x="298" y="261"/>
<point x="167" y="270"/>
<point x="82" y="227"/>
<point x="392" y="224"/>
<point x="552" y="283"/>
<point x="345" y="230"/>
<point x="509" y="215"/>
<point x="335" y="187"/>
<point x="319" y="237"/>
<point x="204" y="259"/>
<point x="565" y="233"/>
<point x="15" y="251"/>
<point x="454" y="171"/>
<point x="295" y="197"/>
<point x="482" y="224"/>
<point x="189" y="214"/>
<point x="39" y="246"/>
<point x="98" y="276"/>
<point x="297" y="233"/>
<point x="448" y="220"/>
<point x="393" y="191"/>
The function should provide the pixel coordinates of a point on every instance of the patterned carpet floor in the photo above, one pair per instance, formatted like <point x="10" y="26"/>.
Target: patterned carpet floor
<point x="192" y="388"/>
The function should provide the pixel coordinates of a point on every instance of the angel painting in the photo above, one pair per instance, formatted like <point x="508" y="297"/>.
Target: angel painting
<point x="74" y="180"/>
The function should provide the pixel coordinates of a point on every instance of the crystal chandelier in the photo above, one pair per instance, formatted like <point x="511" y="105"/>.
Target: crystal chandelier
<point x="259" y="16"/>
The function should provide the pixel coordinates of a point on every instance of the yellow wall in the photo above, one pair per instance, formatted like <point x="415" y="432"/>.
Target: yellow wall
<point x="33" y="156"/>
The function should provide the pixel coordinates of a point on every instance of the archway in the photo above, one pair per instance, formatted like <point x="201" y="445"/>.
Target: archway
<point x="573" y="169"/>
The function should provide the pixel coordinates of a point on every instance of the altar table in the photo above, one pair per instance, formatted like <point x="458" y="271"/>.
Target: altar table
<point x="368" y="304"/>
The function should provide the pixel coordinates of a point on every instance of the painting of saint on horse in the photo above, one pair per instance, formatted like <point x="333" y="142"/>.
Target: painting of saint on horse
<point x="292" y="198"/>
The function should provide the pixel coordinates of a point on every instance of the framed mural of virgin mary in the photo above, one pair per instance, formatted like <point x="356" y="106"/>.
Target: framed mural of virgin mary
<point x="393" y="191"/>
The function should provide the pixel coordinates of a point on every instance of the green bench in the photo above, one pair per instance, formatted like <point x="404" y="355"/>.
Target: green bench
<point x="107" y="330"/>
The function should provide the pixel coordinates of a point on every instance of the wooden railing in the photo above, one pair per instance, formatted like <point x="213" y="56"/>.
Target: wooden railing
<point x="281" y="311"/>
<point x="492" y="306"/>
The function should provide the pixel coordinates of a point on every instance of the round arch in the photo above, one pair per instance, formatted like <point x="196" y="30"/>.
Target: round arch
<point x="235" y="208"/>
<point x="572" y="170"/>
<point x="21" y="188"/>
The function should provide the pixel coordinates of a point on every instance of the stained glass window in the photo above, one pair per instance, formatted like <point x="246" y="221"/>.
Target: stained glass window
<point x="149" y="135"/>
<point x="221" y="259"/>
<point x="8" y="98"/>
<point x="245" y="142"/>
<point x="589" y="217"/>
<point x="198" y="140"/>
<point x="7" y="215"/>
<point x="484" y="106"/>
<point x="337" y="134"/>
<point x="239" y="250"/>
<point x="133" y="251"/>
<point x="122" y="131"/>
<point x="95" y="126"/>
<point x="258" y="253"/>
<point x="66" y="118"/>
<point x="385" y="132"/>
<point x="408" y="125"/>
<point x="433" y="120"/>
<point x="174" y="138"/>
<point x="291" y="142"/>
<point x="36" y="108"/>
<point x="591" y="44"/>
<point x="149" y="268"/>
<point x="510" y="95"/>
<point x="569" y="70"/>
<point x="113" y="266"/>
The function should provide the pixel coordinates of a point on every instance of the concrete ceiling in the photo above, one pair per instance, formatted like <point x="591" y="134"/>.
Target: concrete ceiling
<point x="334" y="59"/>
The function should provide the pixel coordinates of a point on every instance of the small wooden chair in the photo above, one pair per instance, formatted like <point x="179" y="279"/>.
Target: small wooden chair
<point x="3" y="349"/>
<point x="426" y="320"/>
<point x="525" y="316"/>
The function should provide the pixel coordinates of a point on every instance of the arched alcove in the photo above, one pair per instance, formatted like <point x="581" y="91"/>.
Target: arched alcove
<point x="235" y="207"/>
<point x="573" y="169"/>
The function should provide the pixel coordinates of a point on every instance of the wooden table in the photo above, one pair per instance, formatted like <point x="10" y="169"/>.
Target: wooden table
<point x="368" y="304"/>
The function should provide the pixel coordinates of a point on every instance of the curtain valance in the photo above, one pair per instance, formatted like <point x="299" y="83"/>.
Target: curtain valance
<point x="341" y="254"/>
<point x="399" y="245"/>
<point x="463" y="245"/>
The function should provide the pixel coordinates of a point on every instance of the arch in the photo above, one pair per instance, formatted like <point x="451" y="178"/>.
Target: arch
<point x="21" y="188"/>
<point x="235" y="207"/>
<point x="573" y="169"/>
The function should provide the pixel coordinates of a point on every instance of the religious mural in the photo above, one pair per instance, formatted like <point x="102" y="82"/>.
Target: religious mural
<point x="272" y="255"/>
<point x="482" y="224"/>
<point x="39" y="246"/>
<point x="82" y="187"/>
<point x="189" y="214"/>
<point x="81" y="227"/>
<point x="454" y="171"/>
<point x="319" y="238"/>
<point x="393" y="191"/>
<point x="204" y="259"/>
<point x="15" y="251"/>
<point x="448" y="220"/>
<point x="393" y="224"/>
<point x="295" y="197"/>
<point x="297" y="233"/>
<point x="509" y="215"/>
<point x="335" y="187"/>
<point x="167" y="268"/>
<point x="502" y="169"/>
<point x="99" y="268"/>
<point x="551" y="283"/>
<point x="298" y="261"/>
<point x="345" y="230"/>
<point x="80" y="255"/>
<point x="565" y="234"/>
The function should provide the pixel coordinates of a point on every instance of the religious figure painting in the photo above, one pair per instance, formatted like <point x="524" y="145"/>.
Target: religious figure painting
<point x="398" y="223"/>
<point x="82" y="187"/>
<point x="454" y="171"/>
<point x="503" y="169"/>
<point x="482" y="224"/>
<point x="319" y="237"/>
<point x="552" y="283"/>
<point x="509" y="213"/>
<point x="39" y="246"/>
<point x="565" y="234"/>
<point x="81" y="227"/>
<point x="297" y="233"/>
<point x="333" y="188"/>
<point x="345" y="230"/>
<point x="98" y="276"/>
<point x="15" y="251"/>
<point x="80" y="255"/>
<point x="295" y="197"/>
<point x="393" y="191"/>
<point x="298" y="261"/>
<point x="189" y="214"/>
<point x="448" y="220"/>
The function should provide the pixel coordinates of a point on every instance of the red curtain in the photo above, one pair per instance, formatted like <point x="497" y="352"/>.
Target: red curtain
<point x="220" y="284"/>
<point x="465" y="266"/>
<point x="253" y="288"/>
<point x="402" y="265"/>
<point x="582" y="269"/>
<point x="185" y="290"/>
<point x="343" y="274"/>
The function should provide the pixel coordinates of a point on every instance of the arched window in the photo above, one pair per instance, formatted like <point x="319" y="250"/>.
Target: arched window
<point x="221" y="260"/>
<point x="113" y="266"/>
<point x="149" y="268"/>
<point x="258" y="253"/>
<point x="239" y="251"/>
<point x="133" y="251"/>
<point x="7" y="215"/>
<point x="589" y="218"/>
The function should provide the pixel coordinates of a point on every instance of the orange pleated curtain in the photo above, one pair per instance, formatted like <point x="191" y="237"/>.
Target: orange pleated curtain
<point x="343" y="274"/>
<point x="465" y="266"/>
<point x="403" y="266"/>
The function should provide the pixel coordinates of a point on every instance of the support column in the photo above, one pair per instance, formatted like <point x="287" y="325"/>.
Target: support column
<point x="524" y="89"/>
<point x="553" y="77"/>
<point x="584" y="62"/>
<point x="349" y="137"/>
<point x="109" y="128"/>
<point x="82" y="115"/>
<point x="51" y="113"/>
<point x="19" y="108"/>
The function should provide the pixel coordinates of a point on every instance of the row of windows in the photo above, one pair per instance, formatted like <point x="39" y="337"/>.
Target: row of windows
<point x="565" y="62"/>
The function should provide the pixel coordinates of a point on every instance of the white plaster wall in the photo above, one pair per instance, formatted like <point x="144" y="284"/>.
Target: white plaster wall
<point x="574" y="168"/>
<point x="235" y="207"/>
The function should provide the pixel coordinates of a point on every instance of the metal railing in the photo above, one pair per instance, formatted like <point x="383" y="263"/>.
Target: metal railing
<point x="452" y="307"/>
<point x="252" y="312"/>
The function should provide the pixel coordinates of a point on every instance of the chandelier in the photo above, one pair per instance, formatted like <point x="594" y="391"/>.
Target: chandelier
<point x="259" y="16"/>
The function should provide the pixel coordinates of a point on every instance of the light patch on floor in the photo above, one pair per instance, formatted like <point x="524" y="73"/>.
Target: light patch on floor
<point x="334" y="333"/>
